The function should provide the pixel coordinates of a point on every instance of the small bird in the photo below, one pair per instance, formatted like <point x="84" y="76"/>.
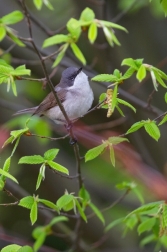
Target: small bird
<point x="73" y="91"/>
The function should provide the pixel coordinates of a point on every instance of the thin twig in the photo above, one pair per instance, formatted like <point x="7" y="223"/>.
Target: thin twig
<point x="45" y="137"/>
<point x="8" y="50"/>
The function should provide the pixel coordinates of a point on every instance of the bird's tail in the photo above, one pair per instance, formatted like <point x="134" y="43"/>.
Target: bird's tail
<point x="26" y="111"/>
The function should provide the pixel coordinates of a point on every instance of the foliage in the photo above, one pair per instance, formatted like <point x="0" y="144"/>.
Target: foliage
<point x="150" y="219"/>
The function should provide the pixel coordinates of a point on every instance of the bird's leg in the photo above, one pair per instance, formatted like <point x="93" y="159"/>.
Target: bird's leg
<point x="68" y="127"/>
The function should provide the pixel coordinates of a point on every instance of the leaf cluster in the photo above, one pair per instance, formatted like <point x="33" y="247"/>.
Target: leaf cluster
<point x="86" y="22"/>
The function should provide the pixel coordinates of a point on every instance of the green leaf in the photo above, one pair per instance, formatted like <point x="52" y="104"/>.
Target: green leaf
<point x="113" y="224"/>
<point x="112" y="155"/>
<point x="58" y="167"/>
<point x="153" y="77"/>
<point x="164" y="120"/>
<point x="135" y="127"/>
<point x="11" y="248"/>
<point x="80" y="210"/>
<point x="148" y="239"/>
<point x="60" y="55"/>
<point x="126" y="185"/>
<point x="135" y="64"/>
<point x="7" y="164"/>
<point x="12" y="18"/>
<point x="128" y="73"/>
<point x="15" y="39"/>
<point x="21" y="70"/>
<point x="48" y="204"/>
<point x="84" y="195"/>
<point x="92" y="32"/>
<point x="94" y="152"/>
<point x="131" y="221"/>
<point x="51" y="154"/>
<point x="164" y="215"/>
<point x="57" y="219"/>
<point x="97" y="212"/>
<point x="165" y="97"/>
<point x="145" y="208"/>
<point x="113" y="25"/>
<point x="41" y="176"/>
<point x="77" y="52"/>
<point x="119" y="110"/>
<point x="159" y="79"/>
<point x="139" y="195"/>
<point x="108" y="34"/>
<point x="117" y="140"/>
<point x="7" y="175"/>
<point x="54" y="40"/>
<point x="18" y="133"/>
<point x="25" y="249"/>
<point x="87" y="15"/>
<point x="125" y="103"/>
<point x="2" y="32"/>
<point x="34" y="212"/>
<point x="141" y="73"/>
<point x="73" y="26"/>
<point x="27" y="202"/>
<point x="146" y="225"/>
<point x="38" y="4"/>
<point x="164" y="6"/>
<point x="9" y="140"/>
<point x="39" y="241"/>
<point x="152" y="129"/>
<point x="114" y="97"/>
<point x="64" y="200"/>
<point x="105" y="78"/>
<point x="36" y="159"/>
<point x="48" y="5"/>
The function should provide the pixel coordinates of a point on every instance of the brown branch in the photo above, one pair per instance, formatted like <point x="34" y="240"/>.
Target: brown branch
<point x="45" y="137"/>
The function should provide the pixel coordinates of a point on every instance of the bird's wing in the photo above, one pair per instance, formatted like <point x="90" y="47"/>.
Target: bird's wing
<point x="50" y="101"/>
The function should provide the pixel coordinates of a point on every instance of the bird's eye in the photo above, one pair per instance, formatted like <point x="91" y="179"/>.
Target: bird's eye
<point x="71" y="78"/>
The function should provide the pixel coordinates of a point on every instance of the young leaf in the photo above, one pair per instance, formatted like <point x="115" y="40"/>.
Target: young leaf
<point x="131" y="63"/>
<point x="34" y="212"/>
<point x="128" y="73"/>
<point x="141" y="73"/>
<point x="164" y="215"/>
<point x="7" y="175"/>
<point x="39" y="241"/>
<point x="114" y="97"/>
<point x="113" y="25"/>
<point x="58" y="167"/>
<point x="154" y="80"/>
<point x="148" y="239"/>
<point x="164" y="120"/>
<point x="138" y="194"/>
<point x="117" y="140"/>
<point x="146" y="225"/>
<point x="25" y="249"/>
<point x="92" y="32"/>
<point x="159" y="79"/>
<point x="36" y="159"/>
<point x="38" y="4"/>
<point x="87" y="15"/>
<point x="145" y="208"/>
<point x="54" y="40"/>
<point x="57" y="219"/>
<point x="58" y="58"/>
<point x="48" y="5"/>
<point x="165" y="97"/>
<point x="126" y="104"/>
<point x="73" y="26"/>
<point x="135" y="127"/>
<point x="48" y="204"/>
<point x="112" y="155"/>
<point x="108" y="34"/>
<point x="11" y="248"/>
<point x="93" y="153"/>
<point x="153" y="130"/>
<point x="80" y="210"/>
<point x="105" y="78"/>
<point x="12" y="18"/>
<point x="64" y="200"/>
<point x="41" y="176"/>
<point x="2" y="32"/>
<point x="164" y="6"/>
<point x="14" y="38"/>
<point x="77" y="52"/>
<point x="113" y="224"/>
<point x="7" y="164"/>
<point x="27" y="202"/>
<point x="51" y="154"/>
<point x="97" y="212"/>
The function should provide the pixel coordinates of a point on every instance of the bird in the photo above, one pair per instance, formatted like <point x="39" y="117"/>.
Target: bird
<point x="73" y="91"/>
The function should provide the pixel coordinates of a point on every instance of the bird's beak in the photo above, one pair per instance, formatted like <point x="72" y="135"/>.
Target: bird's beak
<point x="79" y="70"/>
